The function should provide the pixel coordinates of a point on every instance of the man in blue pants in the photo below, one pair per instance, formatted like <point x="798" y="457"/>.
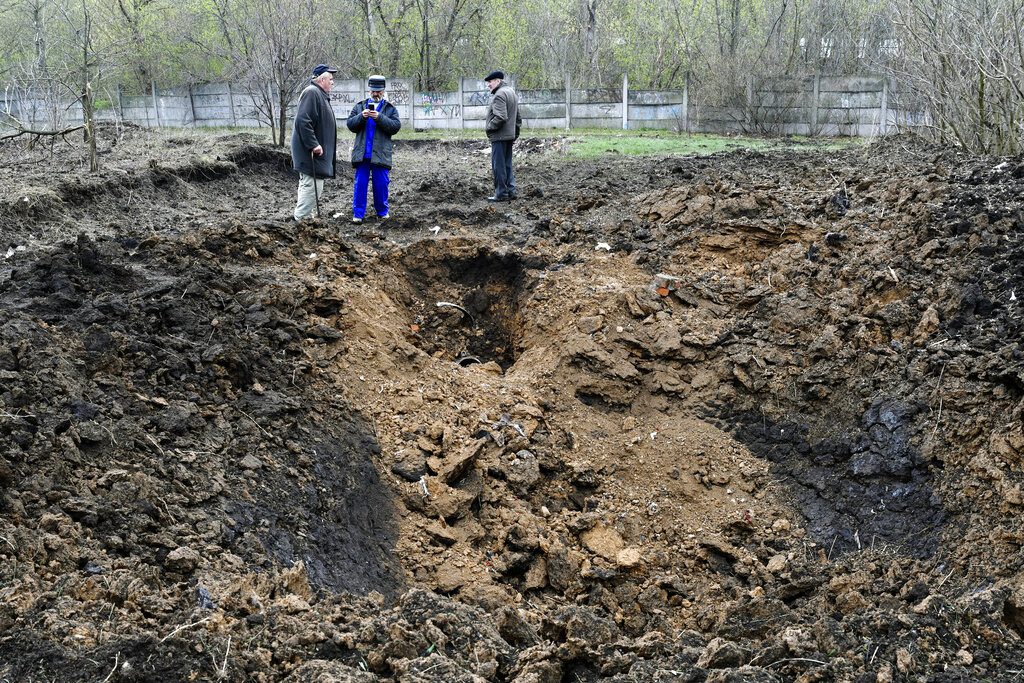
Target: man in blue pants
<point x="374" y="121"/>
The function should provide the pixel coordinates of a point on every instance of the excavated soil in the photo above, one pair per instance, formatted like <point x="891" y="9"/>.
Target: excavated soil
<point x="744" y="417"/>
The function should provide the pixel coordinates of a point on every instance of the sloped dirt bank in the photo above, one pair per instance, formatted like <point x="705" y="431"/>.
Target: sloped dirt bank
<point x="743" y="417"/>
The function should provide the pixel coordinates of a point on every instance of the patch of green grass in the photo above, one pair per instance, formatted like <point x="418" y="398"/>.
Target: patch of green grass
<point x="667" y="143"/>
<point x="595" y="142"/>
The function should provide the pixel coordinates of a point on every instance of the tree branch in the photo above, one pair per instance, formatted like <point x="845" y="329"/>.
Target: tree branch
<point x="21" y="129"/>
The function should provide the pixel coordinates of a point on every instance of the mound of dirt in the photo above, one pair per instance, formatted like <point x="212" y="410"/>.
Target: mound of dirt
<point x="741" y="417"/>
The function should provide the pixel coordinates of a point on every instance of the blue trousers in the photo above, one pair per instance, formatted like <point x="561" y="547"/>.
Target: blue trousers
<point x="501" y="166"/>
<point x="381" y="178"/>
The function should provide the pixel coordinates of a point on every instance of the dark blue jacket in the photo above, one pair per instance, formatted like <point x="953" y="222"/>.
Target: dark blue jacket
<point x="388" y="124"/>
<point x="314" y="125"/>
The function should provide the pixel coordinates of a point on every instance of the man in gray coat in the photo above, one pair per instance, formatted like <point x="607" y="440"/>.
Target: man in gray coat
<point x="314" y="140"/>
<point x="502" y="124"/>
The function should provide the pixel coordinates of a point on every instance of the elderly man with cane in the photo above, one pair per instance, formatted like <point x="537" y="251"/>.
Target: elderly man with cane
<point x="314" y="141"/>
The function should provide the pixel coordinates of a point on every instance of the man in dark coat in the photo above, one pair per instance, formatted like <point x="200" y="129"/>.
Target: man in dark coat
<point x="374" y="121"/>
<point x="502" y="124"/>
<point x="314" y="140"/>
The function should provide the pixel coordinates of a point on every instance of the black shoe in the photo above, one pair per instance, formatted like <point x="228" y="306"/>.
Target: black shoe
<point x="496" y="198"/>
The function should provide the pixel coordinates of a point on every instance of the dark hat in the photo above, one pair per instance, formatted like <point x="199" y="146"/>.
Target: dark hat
<point x="500" y="75"/>
<point x="322" y="69"/>
<point x="375" y="83"/>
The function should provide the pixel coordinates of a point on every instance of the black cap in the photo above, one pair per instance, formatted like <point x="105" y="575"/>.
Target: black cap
<point x="320" y="69"/>
<point x="500" y="75"/>
<point x="375" y="83"/>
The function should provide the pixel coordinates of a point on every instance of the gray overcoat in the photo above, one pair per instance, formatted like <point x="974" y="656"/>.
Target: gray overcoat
<point x="503" y="120"/>
<point x="314" y="125"/>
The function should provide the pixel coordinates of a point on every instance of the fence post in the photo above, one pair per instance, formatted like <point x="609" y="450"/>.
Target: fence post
<point x="749" y="118"/>
<point x="625" y="101"/>
<point x="814" y="104"/>
<point x="686" y="102"/>
<point x="412" y="105"/>
<point x="568" y="101"/>
<point x="885" y="105"/>
<point x="192" y="105"/>
<point x="462" y="103"/>
<point x="156" y="104"/>
<point x="231" y="106"/>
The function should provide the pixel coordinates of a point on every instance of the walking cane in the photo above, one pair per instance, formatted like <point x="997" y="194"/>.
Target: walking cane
<point x="316" y="192"/>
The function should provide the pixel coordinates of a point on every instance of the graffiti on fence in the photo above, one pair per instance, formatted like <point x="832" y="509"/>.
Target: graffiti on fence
<point x="548" y="96"/>
<point x="595" y="96"/>
<point x="449" y="111"/>
<point x="655" y="97"/>
<point x="398" y="93"/>
<point x="478" y="98"/>
<point x="432" y="98"/>
<point x="438" y="104"/>
<point x="345" y="98"/>
<point x="213" y="99"/>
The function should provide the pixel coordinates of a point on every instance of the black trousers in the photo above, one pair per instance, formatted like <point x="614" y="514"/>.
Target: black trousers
<point x="501" y="166"/>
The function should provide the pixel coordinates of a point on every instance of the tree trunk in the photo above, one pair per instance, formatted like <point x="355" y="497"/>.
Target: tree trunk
<point x="87" y="111"/>
<point x="38" y="21"/>
<point x="90" y="126"/>
<point x="371" y="28"/>
<point x="282" y="115"/>
<point x="425" y="77"/>
<point x="590" y="38"/>
<point x="734" y="27"/>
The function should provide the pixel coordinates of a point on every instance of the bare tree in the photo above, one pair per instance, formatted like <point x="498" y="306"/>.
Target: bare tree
<point x="66" y="58"/>
<point x="271" y="46"/>
<point x="442" y="27"/>
<point x="81" y="61"/>
<point x="133" y="14"/>
<point x="963" y="63"/>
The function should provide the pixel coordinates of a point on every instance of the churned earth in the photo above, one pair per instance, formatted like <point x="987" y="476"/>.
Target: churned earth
<point x="743" y="417"/>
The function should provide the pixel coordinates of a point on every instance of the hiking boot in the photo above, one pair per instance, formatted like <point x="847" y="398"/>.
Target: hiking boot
<point x="357" y="221"/>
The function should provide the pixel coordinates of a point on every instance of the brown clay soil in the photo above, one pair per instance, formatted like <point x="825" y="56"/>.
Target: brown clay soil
<point x="745" y="417"/>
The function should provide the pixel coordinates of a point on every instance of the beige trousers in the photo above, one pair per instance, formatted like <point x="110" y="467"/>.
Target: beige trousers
<point x="305" y="206"/>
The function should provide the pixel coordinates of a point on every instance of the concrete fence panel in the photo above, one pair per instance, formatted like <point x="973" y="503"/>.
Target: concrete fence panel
<point x="814" y="105"/>
<point x="851" y="84"/>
